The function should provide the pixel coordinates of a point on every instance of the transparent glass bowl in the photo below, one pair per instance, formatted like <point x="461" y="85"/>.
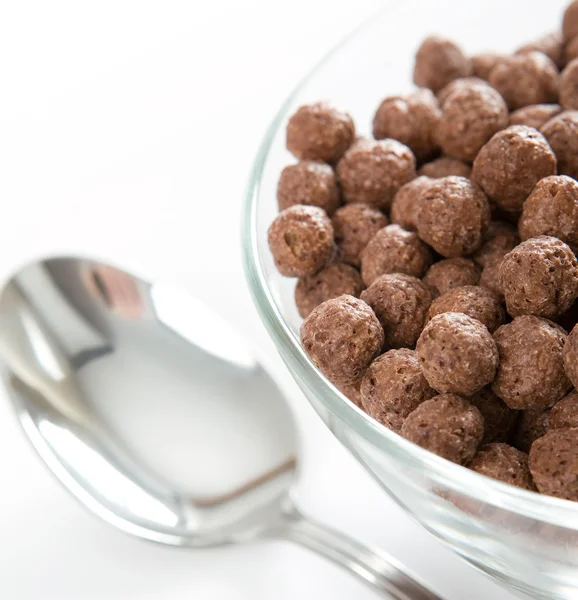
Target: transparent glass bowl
<point x="523" y="539"/>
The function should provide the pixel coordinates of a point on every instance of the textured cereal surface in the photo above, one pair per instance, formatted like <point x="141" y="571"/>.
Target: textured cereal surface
<point x="569" y="85"/>
<point x="301" y="240"/>
<point x="535" y="115"/>
<point x="446" y="425"/>
<point x="564" y="413"/>
<point x="551" y="44"/>
<point x="484" y="63"/>
<point x="532" y="424"/>
<point x="571" y="356"/>
<point x="511" y="163"/>
<point x="400" y="302"/>
<point x="393" y="387"/>
<point x="457" y="354"/>
<point x="499" y="419"/>
<point x="405" y="203"/>
<point x="331" y="281"/>
<point x="504" y="463"/>
<point x="531" y="370"/>
<point x="444" y="167"/>
<point x="562" y="134"/>
<point x="394" y="250"/>
<point x="342" y="336"/>
<point x="499" y="238"/>
<point x="451" y="273"/>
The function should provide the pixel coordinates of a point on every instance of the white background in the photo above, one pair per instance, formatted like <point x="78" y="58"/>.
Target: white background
<point x="127" y="131"/>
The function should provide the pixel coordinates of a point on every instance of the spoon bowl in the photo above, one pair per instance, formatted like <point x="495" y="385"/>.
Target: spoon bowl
<point x="158" y="416"/>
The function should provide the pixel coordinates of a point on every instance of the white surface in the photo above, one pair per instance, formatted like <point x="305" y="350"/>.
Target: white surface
<point x="127" y="131"/>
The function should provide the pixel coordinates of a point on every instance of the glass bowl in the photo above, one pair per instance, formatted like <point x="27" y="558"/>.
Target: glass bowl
<point x="522" y="539"/>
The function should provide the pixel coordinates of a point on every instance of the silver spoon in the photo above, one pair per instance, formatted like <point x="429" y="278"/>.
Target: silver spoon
<point x="158" y="417"/>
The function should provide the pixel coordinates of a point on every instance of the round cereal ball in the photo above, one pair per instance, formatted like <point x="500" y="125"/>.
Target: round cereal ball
<point x="552" y="209"/>
<point x="394" y="250"/>
<point x="393" y="386"/>
<point x="564" y="413"/>
<point x="571" y="50"/>
<point x="309" y="183"/>
<point x="508" y="167"/>
<point x="331" y="281"/>
<point x="319" y="132"/>
<point x="372" y="171"/>
<point x="400" y="302"/>
<point x="499" y="419"/>
<point x="539" y="277"/>
<point x="354" y="225"/>
<point x="569" y="85"/>
<point x="490" y="279"/>
<point x="571" y="356"/>
<point x="535" y="115"/>
<point x="457" y="354"/>
<point x="471" y="115"/>
<point x="461" y="84"/>
<point x="504" y="463"/>
<point x="551" y="44"/>
<point x="532" y="424"/>
<point x="499" y="238"/>
<point x="562" y="135"/>
<point x="472" y="300"/>
<point x="405" y="202"/>
<point x="301" y="240"/>
<point x="554" y="463"/>
<point x="484" y="63"/>
<point x="411" y="120"/>
<point x="531" y="371"/>
<point x="444" y="167"/>
<point x="453" y="215"/>
<point x="451" y="273"/>
<point x="342" y="337"/>
<point x="570" y="21"/>
<point x="446" y="425"/>
<point x="439" y="61"/>
<point x="524" y="79"/>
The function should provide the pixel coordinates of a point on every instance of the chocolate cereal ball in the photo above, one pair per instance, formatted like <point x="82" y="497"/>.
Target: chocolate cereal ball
<point x="571" y="50"/>
<point x="570" y="21"/>
<point x="301" y="240"/>
<point x="484" y="63"/>
<point x="554" y="463"/>
<point x="499" y="419"/>
<point x="457" y="354"/>
<point x="394" y="250"/>
<point x="309" y="183"/>
<point x="551" y="44"/>
<point x="564" y="413"/>
<point x="524" y="79"/>
<point x="342" y="337"/>
<point x="354" y="225"/>
<point x="446" y="425"/>
<point x="439" y="61"/>
<point x="562" y="135"/>
<point x="400" y="302"/>
<point x="451" y="273"/>
<point x="472" y="300"/>
<point x="372" y="171"/>
<point x="571" y="356"/>
<point x="504" y="463"/>
<point x="352" y="391"/>
<point x="331" y="281"/>
<point x="539" y="277"/>
<point x="569" y="85"/>
<point x="532" y="424"/>
<point x="490" y="279"/>
<point x="461" y="84"/>
<point x="470" y="117"/>
<point x="499" y="238"/>
<point x="319" y="132"/>
<point x="453" y="215"/>
<point x="508" y="167"/>
<point x="404" y="207"/>
<point x="534" y="115"/>
<point x="393" y="387"/>
<point x="552" y="209"/>
<point x="444" y="167"/>
<point x="411" y="120"/>
<point x="531" y="371"/>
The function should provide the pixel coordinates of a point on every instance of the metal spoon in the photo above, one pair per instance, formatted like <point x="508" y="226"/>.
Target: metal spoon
<point x="158" y="417"/>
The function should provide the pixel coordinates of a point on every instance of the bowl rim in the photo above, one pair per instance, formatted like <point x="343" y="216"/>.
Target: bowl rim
<point x="548" y="509"/>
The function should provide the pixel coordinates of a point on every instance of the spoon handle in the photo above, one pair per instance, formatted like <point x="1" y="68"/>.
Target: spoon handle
<point x="372" y="566"/>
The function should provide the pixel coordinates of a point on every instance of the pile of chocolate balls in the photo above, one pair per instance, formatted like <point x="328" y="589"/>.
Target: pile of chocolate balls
<point x="435" y="262"/>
